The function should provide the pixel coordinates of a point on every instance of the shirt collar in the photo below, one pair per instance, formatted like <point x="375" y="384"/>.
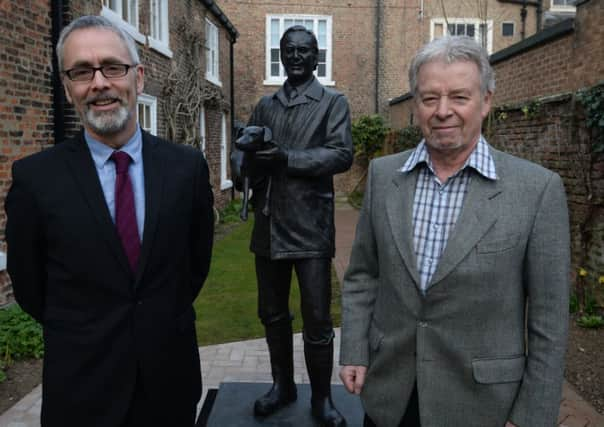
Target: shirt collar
<point x="101" y="152"/>
<point x="311" y="89"/>
<point x="480" y="159"/>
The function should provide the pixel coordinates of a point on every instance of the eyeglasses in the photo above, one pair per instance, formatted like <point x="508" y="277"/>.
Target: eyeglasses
<point x="86" y="74"/>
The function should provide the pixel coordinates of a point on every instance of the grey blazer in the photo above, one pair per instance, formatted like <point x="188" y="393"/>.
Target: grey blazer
<point x="465" y="342"/>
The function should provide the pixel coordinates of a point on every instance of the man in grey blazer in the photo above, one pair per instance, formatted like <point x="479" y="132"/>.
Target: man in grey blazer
<point x="455" y="301"/>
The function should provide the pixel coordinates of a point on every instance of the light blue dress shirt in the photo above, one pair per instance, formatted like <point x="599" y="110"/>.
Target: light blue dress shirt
<point x="105" y="168"/>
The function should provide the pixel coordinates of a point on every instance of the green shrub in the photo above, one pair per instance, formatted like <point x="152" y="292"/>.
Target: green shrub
<point x="20" y="335"/>
<point x="408" y="138"/>
<point x="590" y="321"/>
<point x="368" y="135"/>
<point x="230" y="213"/>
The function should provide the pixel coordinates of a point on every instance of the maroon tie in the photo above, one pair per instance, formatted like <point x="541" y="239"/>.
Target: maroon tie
<point x="125" y="212"/>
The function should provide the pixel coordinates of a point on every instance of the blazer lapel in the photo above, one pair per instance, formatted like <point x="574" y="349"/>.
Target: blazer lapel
<point x="476" y="218"/>
<point x="399" y="210"/>
<point x="153" y="167"/>
<point x="84" y="172"/>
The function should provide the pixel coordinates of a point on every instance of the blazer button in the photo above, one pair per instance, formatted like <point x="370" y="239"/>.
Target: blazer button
<point x="139" y="302"/>
<point x="422" y="324"/>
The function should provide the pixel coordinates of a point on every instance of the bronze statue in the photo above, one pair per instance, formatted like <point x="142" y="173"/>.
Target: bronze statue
<point x="311" y="139"/>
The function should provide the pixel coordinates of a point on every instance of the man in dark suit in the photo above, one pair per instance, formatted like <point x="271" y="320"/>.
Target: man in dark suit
<point x="109" y="240"/>
<point x="455" y="301"/>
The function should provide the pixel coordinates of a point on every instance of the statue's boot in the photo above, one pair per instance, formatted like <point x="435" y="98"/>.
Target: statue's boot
<point x="319" y="363"/>
<point x="280" y="346"/>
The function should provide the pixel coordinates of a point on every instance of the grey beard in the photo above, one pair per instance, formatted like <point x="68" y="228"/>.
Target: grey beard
<point x="108" y="123"/>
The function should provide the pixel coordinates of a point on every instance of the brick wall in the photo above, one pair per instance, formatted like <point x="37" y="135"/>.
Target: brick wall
<point x="26" y="93"/>
<point x="25" y="96"/>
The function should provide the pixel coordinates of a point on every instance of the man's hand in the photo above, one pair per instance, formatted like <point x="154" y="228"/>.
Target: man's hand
<point x="272" y="159"/>
<point x="353" y="378"/>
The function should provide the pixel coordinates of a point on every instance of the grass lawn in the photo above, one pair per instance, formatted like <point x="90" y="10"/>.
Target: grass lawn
<point x="226" y="307"/>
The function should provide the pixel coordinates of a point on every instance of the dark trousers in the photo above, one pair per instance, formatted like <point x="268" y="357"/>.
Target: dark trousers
<point x="314" y="278"/>
<point x="141" y="413"/>
<point x="411" y="417"/>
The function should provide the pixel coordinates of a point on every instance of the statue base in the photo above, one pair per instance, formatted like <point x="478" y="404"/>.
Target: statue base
<point x="232" y="405"/>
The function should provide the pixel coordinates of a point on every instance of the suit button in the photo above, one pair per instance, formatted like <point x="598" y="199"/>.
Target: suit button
<point x="422" y="324"/>
<point x="139" y="302"/>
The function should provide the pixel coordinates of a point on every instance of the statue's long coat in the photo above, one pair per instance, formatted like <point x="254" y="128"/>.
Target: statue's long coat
<point x="315" y="130"/>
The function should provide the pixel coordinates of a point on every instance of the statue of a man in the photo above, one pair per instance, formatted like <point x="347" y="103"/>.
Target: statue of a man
<point x="294" y="221"/>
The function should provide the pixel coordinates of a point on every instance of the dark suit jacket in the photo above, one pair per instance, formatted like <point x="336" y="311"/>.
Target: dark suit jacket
<point x="105" y="328"/>
<point x="463" y="342"/>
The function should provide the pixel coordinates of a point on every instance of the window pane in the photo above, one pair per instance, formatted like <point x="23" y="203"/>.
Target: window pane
<point x="141" y="114"/>
<point x="451" y="29"/>
<point x="321" y="70"/>
<point x="322" y="33"/>
<point x="275" y="32"/>
<point x="309" y="24"/>
<point x="322" y="55"/>
<point x="287" y="23"/>
<point x="275" y="69"/>
<point x="299" y="22"/>
<point x="274" y="55"/>
<point x="507" y="29"/>
<point x="147" y="116"/>
<point x="470" y="30"/>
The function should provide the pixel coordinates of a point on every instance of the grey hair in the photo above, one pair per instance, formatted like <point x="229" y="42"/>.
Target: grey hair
<point x="452" y="49"/>
<point x="94" y="21"/>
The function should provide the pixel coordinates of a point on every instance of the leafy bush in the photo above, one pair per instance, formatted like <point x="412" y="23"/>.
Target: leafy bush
<point x="408" y="137"/>
<point x="368" y="135"/>
<point x="230" y="213"/>
<point x="20" y="337"/>
<point x="590" y="321"/>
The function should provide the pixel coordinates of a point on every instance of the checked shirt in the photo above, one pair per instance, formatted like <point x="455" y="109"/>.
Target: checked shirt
<point x="436" y="205"/>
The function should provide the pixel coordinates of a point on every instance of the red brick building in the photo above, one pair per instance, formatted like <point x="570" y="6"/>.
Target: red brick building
<point x="186" y="47"/>
<point x="365" y="45"/>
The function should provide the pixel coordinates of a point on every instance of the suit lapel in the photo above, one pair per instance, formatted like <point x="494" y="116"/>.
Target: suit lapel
<point x="399" y="209"/>
<point x="84" y="172"/>
<point x="477" y="217"/>
<point x="153" y="166"/>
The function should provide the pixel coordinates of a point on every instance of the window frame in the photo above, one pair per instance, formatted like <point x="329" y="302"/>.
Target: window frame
<point x="151" y="102"/>
<point x="225" y="182"/>
<point x="212" y="33"/>
<point x="202" y="130"/>
<point x="561" y="8"/>
<point x="513" y="24"/>
<point x="279" y="80"/>
<point x="477" y="24"/>
<point x="160" y="42"/>
<point x="131" y="26"/>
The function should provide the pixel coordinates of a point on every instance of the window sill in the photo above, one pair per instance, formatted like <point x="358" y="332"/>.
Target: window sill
<point x="279" y="82"/>
<point x="225" y="185"/>
<point x="130" y="29"/>
<point x="160" y="46"/>
<point x="213" y="80"/>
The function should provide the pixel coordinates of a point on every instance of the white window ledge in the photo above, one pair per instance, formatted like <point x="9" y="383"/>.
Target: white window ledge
<point x="213" y="80"/>
<point x="160" y="47"/>
<point x="114" y="17"/>
<point x="279" y="82"/>
<point x="225" y="185"/>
